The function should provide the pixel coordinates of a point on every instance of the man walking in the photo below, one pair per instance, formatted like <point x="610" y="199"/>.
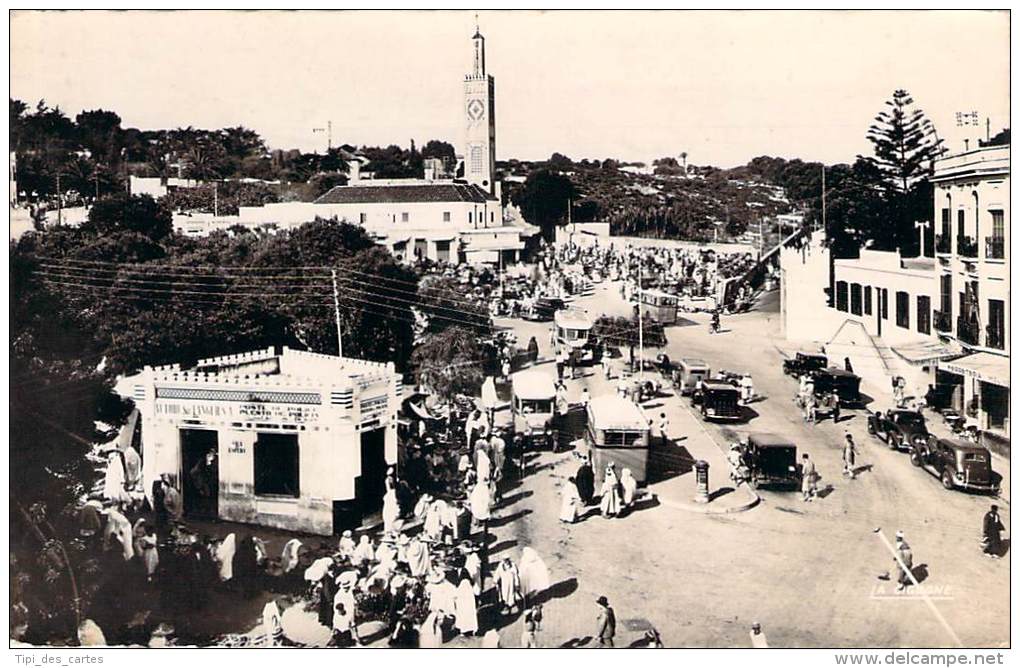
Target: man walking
<point x="905" y="562"/>
<point x="663" y="428"/>
<point x="605" y="623"/>
<point x="835" y="407"/>
<point x="809" y="482"/>
<point x="992" y="533"/>
<point x="850" y="457"/>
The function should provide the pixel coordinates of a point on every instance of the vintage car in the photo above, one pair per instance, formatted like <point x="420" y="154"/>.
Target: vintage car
<point x="958" y="464"/>
<point x="689" y="371"/>
<point x="719" y="400"/>
<point x="898" y="428"/>
<point x="771" y="461"/>
<point x="544" y="309"/>
<point x="804" y="362"/>
<point x="847" y="384"/>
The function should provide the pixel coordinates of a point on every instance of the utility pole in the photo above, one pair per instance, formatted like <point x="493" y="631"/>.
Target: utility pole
<point x="60" y="204"/>
<point x="640" y="320"/>
<point x="336" y="310"/>
<point x="823" y="196"/>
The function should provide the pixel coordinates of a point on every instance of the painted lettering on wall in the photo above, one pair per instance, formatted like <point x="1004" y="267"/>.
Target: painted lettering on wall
<point x="236" y="448"/>
<point x="289" y="413"/>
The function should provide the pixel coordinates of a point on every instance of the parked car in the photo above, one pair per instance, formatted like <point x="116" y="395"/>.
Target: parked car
<point x="804" y="363"/>
<point x="544" y="309"/>
<point x="847" y="384"/>
<point x="719" y="400"/>
<point x="958" y="464"/>
<point x="898" y="428"/>
<point x="771" y="461"/>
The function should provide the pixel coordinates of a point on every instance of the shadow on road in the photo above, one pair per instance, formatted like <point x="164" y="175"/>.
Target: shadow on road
<point x="507" y="519"/>
<point x="668" y="460"/>
<point x="561" y="589"/>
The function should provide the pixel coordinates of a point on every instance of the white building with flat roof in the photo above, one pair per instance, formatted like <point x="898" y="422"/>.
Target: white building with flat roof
<point x="972" y="280"/>
<point x="288" y="439"/>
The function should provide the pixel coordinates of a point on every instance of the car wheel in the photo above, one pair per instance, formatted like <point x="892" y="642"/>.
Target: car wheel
<point x="871" y="427"/>
<point x="915" y="458"/>
<point x="895" y="441"/>
<point x="947" y="479"/>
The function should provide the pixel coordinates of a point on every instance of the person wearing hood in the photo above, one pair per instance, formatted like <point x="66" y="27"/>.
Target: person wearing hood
<point x="116" y="476"/>
<point x="481" y="504"/>
<point x="585" y="481"/>
<point x="391" y="509"/>
<point x="628" y="489"/>
<point x="508" y="585"/>
<point x="118" y="526"/>
<point x="534" y="575"/>
<point x="465" y="608"/>
<point x="346" y="546"/>
<point x="172" y="500"/>
<point x="442" y="594"/>
<point x="417" y="554"/>
<point x="225" y="557"/>
<point x="245" y="565"/>
<point x="363" y="553"/>
<point x="610" y="502"/>
<point x="570" y="500"/>
<point x="289" y="558"/>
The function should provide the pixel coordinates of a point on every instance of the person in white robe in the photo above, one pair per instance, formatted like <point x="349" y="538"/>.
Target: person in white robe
<point x="466" y="610"/>
<point x="442" y="594"/>
<point x="347" y="545"/>
<point x="570" y="502"/>
<point x="481" y="503"/>
<point x="508" y="585"/>
<point x="390" y="510"/>
<point x="433" y="526"/>
<point x="363" y="553"/>
<point x="225" y="557"/>
<point x="113" y="484"/>
<point x="533" y="573"/>
<point x="421" y="508"/>
<point x="289" y="557"/>
<point x="132" y="469"/>
<point x="483" y="465"/>
<point x="387" y="551"/>
<point x="418" y="561"/>
<point x="610" y="501"/>
<point x="628" y="488"/>
<point x="118" y="526"/>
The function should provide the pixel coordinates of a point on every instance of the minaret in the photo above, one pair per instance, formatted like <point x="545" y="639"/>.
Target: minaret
<point x="480" y="120"/>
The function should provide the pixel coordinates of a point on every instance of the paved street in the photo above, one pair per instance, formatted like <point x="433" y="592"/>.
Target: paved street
<point x="807" y="572"/>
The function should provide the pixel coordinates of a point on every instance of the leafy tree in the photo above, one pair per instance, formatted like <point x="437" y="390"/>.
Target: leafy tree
<point x="130" y="213"/>
<point x="904" y="142"/>
<point x="623" y="332"/>
<point x="444" y="301"/>
<point x="436" y="148"/>
<point x="544" y="198"/>
<point x="560" y="163"/>
<point x="449" y="363"/>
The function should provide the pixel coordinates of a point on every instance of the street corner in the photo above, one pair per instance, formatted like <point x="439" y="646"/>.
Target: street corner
<point x="684" y="495"/>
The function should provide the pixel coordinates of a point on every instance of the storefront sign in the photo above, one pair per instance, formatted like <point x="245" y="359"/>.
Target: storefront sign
<point x="236" y="448"/>
<point x="290" y="414"/>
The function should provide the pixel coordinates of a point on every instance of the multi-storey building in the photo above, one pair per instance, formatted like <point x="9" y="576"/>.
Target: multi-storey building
<point x="972" y="251"/>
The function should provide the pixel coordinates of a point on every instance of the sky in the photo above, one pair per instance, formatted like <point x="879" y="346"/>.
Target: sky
<point x="722" y="86"/>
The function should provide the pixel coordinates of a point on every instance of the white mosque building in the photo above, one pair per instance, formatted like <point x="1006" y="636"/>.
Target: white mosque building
<point x="434" y="217"/>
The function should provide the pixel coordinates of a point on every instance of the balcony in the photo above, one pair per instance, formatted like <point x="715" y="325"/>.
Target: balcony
<point x="943" y="244"/>
<point x="968" y="332"/>
<point x="966" y="246"/>
<point x="943" y="321"/>
<point x="995" y="248"/>
<point x="995" y="338"/>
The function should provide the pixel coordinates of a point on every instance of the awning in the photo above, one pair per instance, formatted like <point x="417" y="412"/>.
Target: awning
<point x="985" y="367"/>
<point x="419" y="411"/>
<point x="919" y="352"/>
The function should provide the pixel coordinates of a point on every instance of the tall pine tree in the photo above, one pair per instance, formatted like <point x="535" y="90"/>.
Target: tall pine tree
<point x="905" y="143"/>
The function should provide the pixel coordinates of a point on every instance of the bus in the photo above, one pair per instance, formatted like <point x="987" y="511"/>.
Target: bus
<point x="617" y="434"/>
